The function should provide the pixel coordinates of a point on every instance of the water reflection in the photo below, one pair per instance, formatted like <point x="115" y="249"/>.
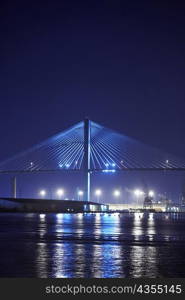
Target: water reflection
<point x="110" y="261"/>
<point x="42" y="260"/>
<point x="59" y="218"/>
<point x="79" y="228"/>
<point x="42" y="225"/>
<point x="151" y="227"/>
<point x="97" y="226"/>
<point x="106" y="257"/>
<point x="95" y="245"/>
<point x="60" y="259"/>
<point x="81" y="263"/>
<point x="143" y="258"/>
<point x="137" y="229"/>
<point x="68" y="258"/>
<point x="42" y="250"/>
<point x="143" y="261"/>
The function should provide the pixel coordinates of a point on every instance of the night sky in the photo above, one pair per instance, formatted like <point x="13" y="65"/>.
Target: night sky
<point x="121" y="63"/>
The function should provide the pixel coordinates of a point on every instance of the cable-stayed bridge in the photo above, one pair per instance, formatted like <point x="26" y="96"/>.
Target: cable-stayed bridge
<point x="90" y="147"/>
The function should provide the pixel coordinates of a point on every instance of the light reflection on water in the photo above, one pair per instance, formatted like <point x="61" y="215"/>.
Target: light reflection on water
<point x="143" y="262"/>
<point x="42" y="260"/>
<point x="137" y="229"/>
<point x="92" y="245"/>
<point x="151" y="227"/>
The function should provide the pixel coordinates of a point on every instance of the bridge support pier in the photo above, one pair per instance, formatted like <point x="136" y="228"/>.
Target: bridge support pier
<point x="87" y="174"/>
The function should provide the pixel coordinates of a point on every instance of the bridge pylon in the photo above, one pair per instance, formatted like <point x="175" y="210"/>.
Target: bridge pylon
<point x="87" y="153"/>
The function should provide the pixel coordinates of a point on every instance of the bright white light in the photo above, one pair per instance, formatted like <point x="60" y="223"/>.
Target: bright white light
<point x="117" y="193"/>
<point x="151" y="193"/>
<point x="106" y="164"/>
<point x="98" y="192"/>
<point x="59" y="215"/>
<point x="80" y="193"/>
<point x="42" y="193"/>
<point x="138" y="193"/>
<point x="60" y="192"/>
<point x="108" y="171"/>
<point x="67" y="166"/>
<point x="167" y="161"/>
<point x="113" y="165"/>
<point x="42" y="216"/>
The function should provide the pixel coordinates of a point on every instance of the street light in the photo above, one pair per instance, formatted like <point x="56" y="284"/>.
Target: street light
<point x="116" y="193"/>
<point x="151" y="193"/>
<point x="42" y="193"/>
<point x="80" y="194"/>
<point x="138" y="193"/>
<point x="60" y="192"/>
<point x="98" y="194"/>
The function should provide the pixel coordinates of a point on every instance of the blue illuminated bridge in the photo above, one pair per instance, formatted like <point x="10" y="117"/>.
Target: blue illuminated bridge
<point x="89" y="147"/>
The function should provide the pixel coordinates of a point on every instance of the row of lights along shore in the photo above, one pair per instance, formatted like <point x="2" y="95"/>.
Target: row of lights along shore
<point x="98" y="193"/>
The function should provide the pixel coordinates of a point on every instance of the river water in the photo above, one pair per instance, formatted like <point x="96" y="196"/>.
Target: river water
<point x="92" y="245"/>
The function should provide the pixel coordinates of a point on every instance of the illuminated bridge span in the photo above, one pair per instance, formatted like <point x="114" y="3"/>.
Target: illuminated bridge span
<point x="89" y="147"/>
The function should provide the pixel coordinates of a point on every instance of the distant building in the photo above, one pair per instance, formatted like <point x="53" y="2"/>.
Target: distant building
<point x="164" y="200"/>
<point x="158" y="207"/>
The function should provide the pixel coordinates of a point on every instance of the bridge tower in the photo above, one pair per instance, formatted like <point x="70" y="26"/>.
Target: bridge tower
<point x="87" y="153"/>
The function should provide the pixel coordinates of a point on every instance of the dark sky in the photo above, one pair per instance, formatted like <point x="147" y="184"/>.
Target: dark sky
<point x="121" y="63"/>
